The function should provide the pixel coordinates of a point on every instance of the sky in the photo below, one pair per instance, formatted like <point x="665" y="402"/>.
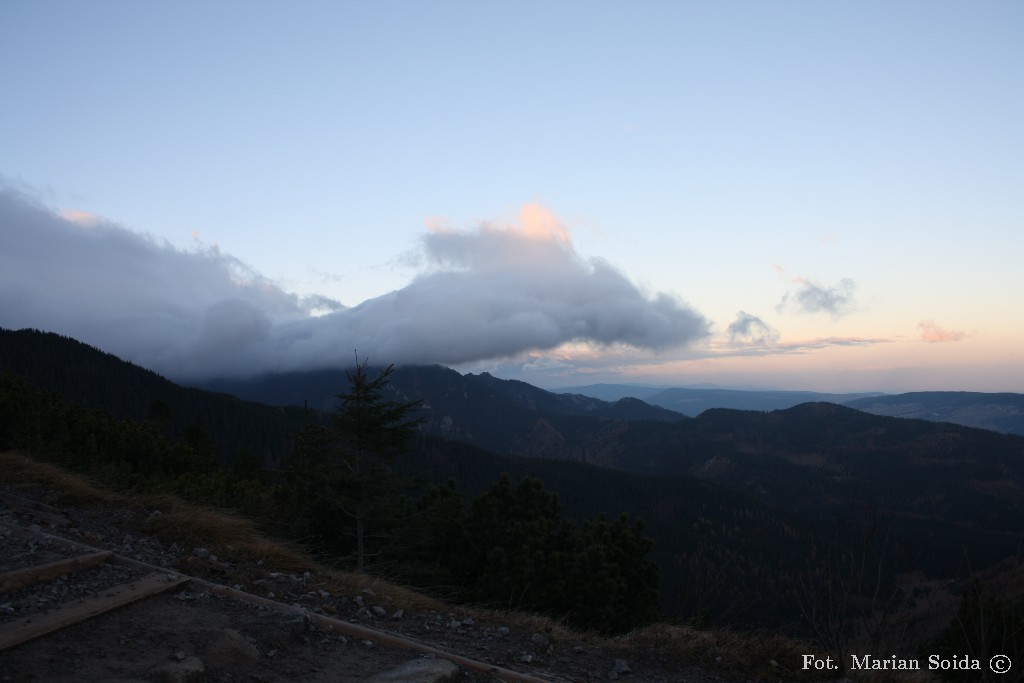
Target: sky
<point x="793" y="195"/>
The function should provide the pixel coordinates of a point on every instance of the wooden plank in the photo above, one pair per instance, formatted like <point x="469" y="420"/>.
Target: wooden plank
<point x="23" y="630"/>
<point x="367" y="633"/>
<point x="29" y="576"/>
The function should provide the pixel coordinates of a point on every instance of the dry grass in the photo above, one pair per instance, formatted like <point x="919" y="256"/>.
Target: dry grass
<point x="765" y="656"/>
<point x="759" y="656"/>
<point x="221" y="532"/>
<point x="65" y="488"/>
<point x="341" y="581"/>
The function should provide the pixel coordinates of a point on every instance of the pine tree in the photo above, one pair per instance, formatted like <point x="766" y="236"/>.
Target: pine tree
<point x="369" y="430"/>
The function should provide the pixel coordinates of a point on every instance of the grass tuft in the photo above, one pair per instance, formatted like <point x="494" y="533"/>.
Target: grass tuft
<point x="64" y="487"/>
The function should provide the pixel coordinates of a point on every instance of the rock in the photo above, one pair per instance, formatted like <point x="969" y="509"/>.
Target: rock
<point x="379" y="611"/>
<point x="201" y="553"/>
<point x="539" y="640"/>
<point x="621" y="667"/>
<point x="189" y="670"/>
<point x="502" y="631"/>
<point x="419" y="671"/>
<point x="229" y="649"/>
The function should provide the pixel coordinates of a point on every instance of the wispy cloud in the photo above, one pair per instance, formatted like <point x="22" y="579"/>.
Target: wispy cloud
<point x="750" y="330"/>
<point x="570" y="362"/>
<point x="932" y="332"/>
<point x="812" y="297"/>
<point x="489" y="292"/>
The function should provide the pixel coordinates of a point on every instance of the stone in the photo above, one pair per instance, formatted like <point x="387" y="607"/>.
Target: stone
<point x="621" y="667"/>
<point x="189" y="670"/>
<point x="201" y="553"/>
<point x="229" y="649"/>
<point x="419" y="671"/>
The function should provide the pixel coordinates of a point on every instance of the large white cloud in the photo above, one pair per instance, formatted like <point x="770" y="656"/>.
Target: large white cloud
<point x="490" y="292"/>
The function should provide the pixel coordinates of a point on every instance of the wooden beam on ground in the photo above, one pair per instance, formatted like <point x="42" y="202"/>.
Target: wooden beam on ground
<point x="29" y="576"/>
<point x="366" y="633"/>
<point x="28" y="628"/>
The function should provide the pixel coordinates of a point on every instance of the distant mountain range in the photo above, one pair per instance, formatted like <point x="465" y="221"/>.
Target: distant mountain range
<point x="999" y="412"/>
<point x="692" y="401"/>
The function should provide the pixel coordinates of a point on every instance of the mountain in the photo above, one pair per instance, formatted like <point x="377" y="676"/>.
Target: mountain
<point x="693" y="402"/>
<point x="612" y="392"/>
<point x="1002" y="412"/>
<point x="503" y="416"/>
<point x="999" y="412"/>
<point x="707" y="538"/>
<point x="741" y="504"/>
<point x="813" y="459"/>
<point x="439" y="387"/>
<point x="84" y="374"/>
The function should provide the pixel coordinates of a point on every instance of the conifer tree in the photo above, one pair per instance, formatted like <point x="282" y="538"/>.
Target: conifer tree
<point x="369" y="430"/>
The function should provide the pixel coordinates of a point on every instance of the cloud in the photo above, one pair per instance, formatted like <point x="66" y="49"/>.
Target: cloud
<point x="811" y="297"/>
<point x="749" y="330"/>
<point x="571" y="363"/>
<point x="491" y="292"/>
<point x="83" y="218"/>
<point x="932" y="332"/>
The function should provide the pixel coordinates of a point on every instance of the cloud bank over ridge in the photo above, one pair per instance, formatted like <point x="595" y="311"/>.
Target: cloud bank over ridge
<point x="487" y="293"/>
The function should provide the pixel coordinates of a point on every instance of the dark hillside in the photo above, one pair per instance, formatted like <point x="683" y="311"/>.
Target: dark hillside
<point x="999" y="412"/>
<point x="86" y="375"/>
<point x="940" y="481"/>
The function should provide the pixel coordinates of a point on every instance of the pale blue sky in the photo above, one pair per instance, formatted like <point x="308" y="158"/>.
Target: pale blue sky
<point x="732" y="154"/>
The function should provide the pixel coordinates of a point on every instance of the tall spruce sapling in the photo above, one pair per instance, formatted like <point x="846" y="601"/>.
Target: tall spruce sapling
<point x="370" y="429"/>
